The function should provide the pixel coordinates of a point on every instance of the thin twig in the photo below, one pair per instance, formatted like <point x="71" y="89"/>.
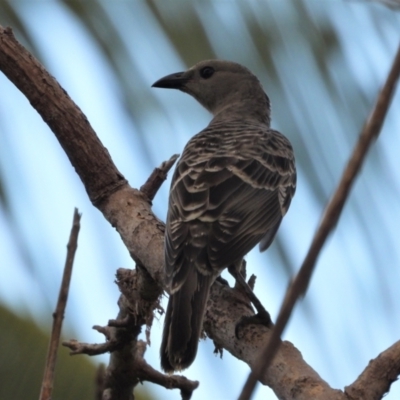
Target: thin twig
<point x="330" y="217"/>
<point x="157" y="177"/>
<point x="99" y="382"/>
<point x="91" y="349"/>
<point x="58" y="316"/>
<point x="146" y="372"/>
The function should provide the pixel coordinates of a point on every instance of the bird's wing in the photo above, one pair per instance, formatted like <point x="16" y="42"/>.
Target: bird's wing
<point x="226" y="196"/>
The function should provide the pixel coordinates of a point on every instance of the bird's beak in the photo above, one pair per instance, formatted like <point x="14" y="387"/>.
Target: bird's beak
<point x="173" y="81"/>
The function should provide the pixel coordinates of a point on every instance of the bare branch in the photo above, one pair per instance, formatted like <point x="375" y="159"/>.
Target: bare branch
<point x="147" y="373"/>
<point x="290" y="376"/>
<point x="91" y="349"/>
<point x="99" y="382"/>
<point x="376" y="379"/>
<point x="158" y="176"/>
<point x="89" y="157"/>
<point x="129" y="211"/>
<point x="329" y="220"/>
<point x="58" y="316"/>
<point x="127" y="366"/>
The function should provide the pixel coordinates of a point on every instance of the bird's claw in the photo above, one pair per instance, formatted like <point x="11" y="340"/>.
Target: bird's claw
<point x="222" y="281"/>
<point x="261" y="318"/>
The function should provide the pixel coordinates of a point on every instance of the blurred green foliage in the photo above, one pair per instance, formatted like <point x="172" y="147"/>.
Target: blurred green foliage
<point x="23" y="349"/>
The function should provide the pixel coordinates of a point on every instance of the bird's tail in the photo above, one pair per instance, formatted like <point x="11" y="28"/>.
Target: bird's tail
<point x="184" y="321"/>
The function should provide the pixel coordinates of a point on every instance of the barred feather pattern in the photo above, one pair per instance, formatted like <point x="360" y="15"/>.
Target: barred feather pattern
<point x="230" y="190"/>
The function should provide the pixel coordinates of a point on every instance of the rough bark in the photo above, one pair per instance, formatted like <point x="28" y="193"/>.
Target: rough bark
<point x="377" y="377"/>
<point x="129" y="211"/>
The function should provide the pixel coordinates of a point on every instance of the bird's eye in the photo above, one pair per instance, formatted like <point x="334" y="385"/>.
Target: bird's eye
<point x="207" y="72"/>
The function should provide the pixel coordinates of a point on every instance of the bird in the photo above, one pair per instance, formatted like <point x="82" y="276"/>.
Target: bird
<point x="231" y="187"/>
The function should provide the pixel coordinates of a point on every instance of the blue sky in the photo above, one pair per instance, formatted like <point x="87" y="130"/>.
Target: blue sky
<point x="350" y="313"/>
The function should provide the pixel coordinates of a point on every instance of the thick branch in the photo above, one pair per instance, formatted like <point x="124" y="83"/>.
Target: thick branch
<point x="329" y="220"/>
<point x="129" y="211"/>
<point x="289" y="375"/>
<point x="376" y="379"/>
<point x="89" y="157"/>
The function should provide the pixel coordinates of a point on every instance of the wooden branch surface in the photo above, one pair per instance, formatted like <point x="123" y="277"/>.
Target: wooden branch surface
<point x="88" y="156"/>
<point x="375" y="380"/>
<point x="328" y="222"/>
<point x="58" y="316"/>
<point x="129" y="211"/>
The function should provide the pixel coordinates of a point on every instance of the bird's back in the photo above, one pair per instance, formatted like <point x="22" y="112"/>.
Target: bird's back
<point x="232" y="186"/>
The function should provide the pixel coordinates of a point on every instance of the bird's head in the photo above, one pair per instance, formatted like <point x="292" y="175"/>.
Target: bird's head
<point x="220" y="86"/>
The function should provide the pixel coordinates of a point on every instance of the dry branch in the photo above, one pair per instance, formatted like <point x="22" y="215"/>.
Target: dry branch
<point x="127" y="365"/>
<point x="58" y="316"/>
<point x="99" y="382"/>
<point x="157" y="178"/>
<point x="129" y="211"/>
<point x="377" y="377"/>
<point x="329" y="220"/>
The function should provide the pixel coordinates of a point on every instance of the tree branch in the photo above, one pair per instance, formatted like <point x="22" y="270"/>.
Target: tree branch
<point x="89" y="157"/>
<point x="157" y="178"/>
<point x="377" y="377"/>
<point x="329" y="220"/>
<point x="289" y="375"/>
<point x="58" y="316"/>
<point x="127" y="365"/>
<point x="129" y="211"/>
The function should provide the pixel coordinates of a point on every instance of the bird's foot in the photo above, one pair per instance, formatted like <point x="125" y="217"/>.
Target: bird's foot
<point x="222" y="281"/>
<point x="258" y="319"/>
<point x="262" y="317"/>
